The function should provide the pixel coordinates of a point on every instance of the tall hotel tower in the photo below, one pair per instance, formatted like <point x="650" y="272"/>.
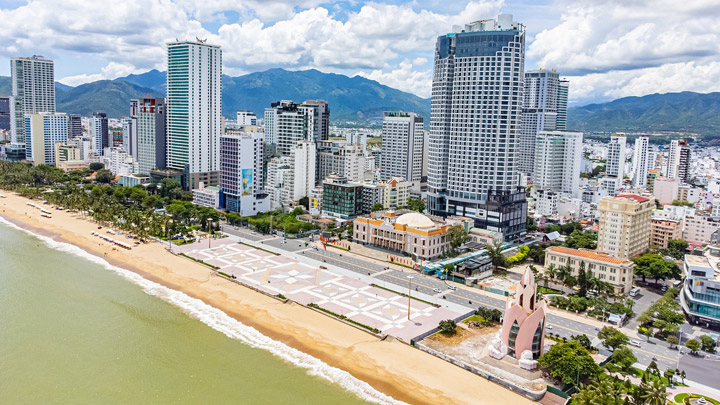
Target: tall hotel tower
<point x="477" y="97"/>
<point x="194" y="111"/>
<point x="33" y="90"/>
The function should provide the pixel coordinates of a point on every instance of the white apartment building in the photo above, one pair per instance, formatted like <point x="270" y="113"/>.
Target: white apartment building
<point x="151" y="135"/>
<point x="206" y="196"/>
<point x="641" y="162"/>
<point x="241" y="168"/>
<point x="402" y="146"/>
<point x="119" y="162"/>
<point x="624" y="224"/>
<point x="99" y="132"/>
<point x="475" y="120"/>
<point x="42" y="131"/>
<point x="540" y="106"/>
<point x="345" y="160"/>
<point x="287" y="123"/>
<point x="33" y="91"/>
<point x="701" y="229"/>
<point x="292" y="177"/>
<point x="558" y="155"/>
<point x="678" y="161"/>
<point x="246" y="118"/>
<point x="615" y="163"/>
<point x="194" y="111"/>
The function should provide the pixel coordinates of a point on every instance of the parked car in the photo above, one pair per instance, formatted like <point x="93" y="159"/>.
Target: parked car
<point x="635" y="343"/>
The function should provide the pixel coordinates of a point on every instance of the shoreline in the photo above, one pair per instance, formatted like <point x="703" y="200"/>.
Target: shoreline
<point x="391" y="367"/>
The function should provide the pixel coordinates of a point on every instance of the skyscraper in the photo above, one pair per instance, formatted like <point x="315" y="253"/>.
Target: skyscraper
<point x="194" y="111"/>
<point x="287" y="123"/>
<point x="5" y="113"/>
<point x="475" y="124"/>
<point x="241" y="166"/>
<point x="246" y="118"/>
<point x="539" y="112"/>
<point x="557" y="162"/>
<point x="641" y="162"/>
<point x="42" y="131"/>
<point x="614" y="163"/>
<point x="99" y="132"/>
<point x="402" y="147"/>
<point x="563" y="91"/>
<point x="75" y="129"/>
<point x="678" y="161"/>
<point x="151" y="136"/>
<point x="33" y="89"/>
<point x="321" y="119"/>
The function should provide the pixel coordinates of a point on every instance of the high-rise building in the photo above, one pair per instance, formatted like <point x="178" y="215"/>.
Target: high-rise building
<point x="341" y="198"/>
<point x="539" y="112"/>
<point x="615" y="163"/>
<point x="475" y="124"/>
<point x="151" y="135"/>
<point x="246" y="118"/>
<point x="33" y="90"/>
<point x="562" y="105"/>
<point x="624" y="225"/>
<point x="75" y="128"/>
<point x="345" y="160"/>
<point x="130" y="130"/>
<point x="292" y="177"/>
<point x="99" y="132"/>
<point x="42" y="131"/>
<point x="287" y="123"/>
<point x="402" y="147"/>
<point x="557" y="162"/>
<point x="641" y="162"/>
<point x="194" y="111"/>
<point x="678" y="162"/>
<point x="241" y="166"/>
<point x="321" y="119"/>
<point x="5" y="114"/>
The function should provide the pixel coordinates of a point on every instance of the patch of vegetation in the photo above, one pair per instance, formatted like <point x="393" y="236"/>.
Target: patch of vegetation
<point x="448" y="327"/>
<point x="259" y="248"/>
<point x="200" y="261"/>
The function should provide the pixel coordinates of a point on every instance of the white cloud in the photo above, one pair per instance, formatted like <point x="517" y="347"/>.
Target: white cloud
<point x="112" y="71"/>
<point x="405" y="78"/>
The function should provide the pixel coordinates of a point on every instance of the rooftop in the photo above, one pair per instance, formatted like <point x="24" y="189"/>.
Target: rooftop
<point x="588" y="254"/>
<point x="633" y="197"/>
<point x="415" y="220"/>
<point x="697" y="260"/>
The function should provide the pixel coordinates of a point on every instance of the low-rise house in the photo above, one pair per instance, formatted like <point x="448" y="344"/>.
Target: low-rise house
<point x="613" y="270"/>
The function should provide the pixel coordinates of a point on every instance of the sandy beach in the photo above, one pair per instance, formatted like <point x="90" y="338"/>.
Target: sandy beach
<point x="391" y="367"/>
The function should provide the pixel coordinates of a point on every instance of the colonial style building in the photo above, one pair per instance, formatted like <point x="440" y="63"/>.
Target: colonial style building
<point x="624" y="225"/>
<point x="618" y="272"/>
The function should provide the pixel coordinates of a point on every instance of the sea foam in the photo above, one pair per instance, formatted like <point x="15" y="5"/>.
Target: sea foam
<point x="227" y="325"/>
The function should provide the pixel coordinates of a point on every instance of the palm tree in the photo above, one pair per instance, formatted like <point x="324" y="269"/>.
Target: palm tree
<point x="494" y="252"/>
<point x="564" y="273"/>
<point x="655" y="393"/>
<point x="551" y="271"/>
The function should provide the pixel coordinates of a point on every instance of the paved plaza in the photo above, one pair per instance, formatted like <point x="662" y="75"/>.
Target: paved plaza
<point x="303" y="283"/>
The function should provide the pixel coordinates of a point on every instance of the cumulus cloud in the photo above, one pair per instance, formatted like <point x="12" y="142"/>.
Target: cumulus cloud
<point x="406" y="78"/>
<point x="111" y="71"/>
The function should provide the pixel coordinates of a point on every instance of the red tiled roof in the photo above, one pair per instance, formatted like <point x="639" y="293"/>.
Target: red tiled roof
<point x="633" y="197"/>
<point x="588" y="254"/>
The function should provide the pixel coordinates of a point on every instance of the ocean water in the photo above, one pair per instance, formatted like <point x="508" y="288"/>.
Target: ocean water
<point x="74" y="329"/>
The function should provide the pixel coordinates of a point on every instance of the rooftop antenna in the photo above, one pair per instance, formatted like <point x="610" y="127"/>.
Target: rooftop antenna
<point x="202" y="41"/>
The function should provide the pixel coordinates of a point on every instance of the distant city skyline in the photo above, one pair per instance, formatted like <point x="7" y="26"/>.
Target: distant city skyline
<point x="607" y="49"/>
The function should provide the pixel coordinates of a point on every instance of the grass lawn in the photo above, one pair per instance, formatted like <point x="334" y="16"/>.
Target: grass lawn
<point x="680" y="398"/>
<point x="546" y="290"/>
<point x="639" y="373"/>
<point x="474" y="318"/>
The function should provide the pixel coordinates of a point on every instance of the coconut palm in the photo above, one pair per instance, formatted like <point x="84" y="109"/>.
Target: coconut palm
<point x="655" y="393"/>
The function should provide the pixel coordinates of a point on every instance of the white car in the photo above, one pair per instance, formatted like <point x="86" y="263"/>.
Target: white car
<point x="548" y="327"/>
<point x="437" y="290"/>
<point x="635" y="343"/>
<point x="452" y="287"/>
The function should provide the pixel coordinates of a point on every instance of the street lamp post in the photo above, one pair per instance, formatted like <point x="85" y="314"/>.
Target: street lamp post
<point x="409" y="292"/>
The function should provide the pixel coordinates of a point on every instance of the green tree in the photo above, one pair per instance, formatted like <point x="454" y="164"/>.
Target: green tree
<point x="95" y="166"/>
<point x="448" y="327"/>
<point x="581" y="240"/>
<point x="624" y="358"/>
<point x="583" y="340"/>
<point x="677" y="247"/>
<point x="693" y="345"/>
<point x="530" y="226"/>
<point x="569" y="361"/>
<point x="415" y="205"/>
<point x="708" y="343"/>
<point x="680" y="203"/>
<point x="495" y="253"/>
<point x="601" y="391"/>
<point x="653" y="265"/>
<point x="104" y="176"/>
<point x="377" y="207"/>
<point x="457" y="236"/>
<point x="582" y="280"/>
<point x="655" y="393"/>
<point x="672" y="340"/>
<point x="612" y="338"/>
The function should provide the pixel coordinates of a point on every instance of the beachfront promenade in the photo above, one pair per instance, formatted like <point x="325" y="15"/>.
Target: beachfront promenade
<point x="305" y="282"/>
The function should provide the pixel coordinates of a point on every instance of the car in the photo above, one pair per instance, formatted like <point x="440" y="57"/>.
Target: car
<point x="452" y="287"/>
<point x="549" y="327"/>
<point x="437" y="290"/>
<point x="635" y="343"/>
<point x="654" y="359"/>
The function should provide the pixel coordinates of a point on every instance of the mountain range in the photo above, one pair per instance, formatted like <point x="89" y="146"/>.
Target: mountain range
<point x="360" y="101"/>
<point x="351" y="99"/>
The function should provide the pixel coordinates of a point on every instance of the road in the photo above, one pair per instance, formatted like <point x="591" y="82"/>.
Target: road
<point x="695" y="368"/>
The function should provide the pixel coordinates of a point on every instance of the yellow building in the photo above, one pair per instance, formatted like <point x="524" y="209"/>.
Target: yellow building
<point x="663" y="230"/>
<point x="618" y="272"/>
<point x="624" y="228"/>
<point x="412" y="233"/>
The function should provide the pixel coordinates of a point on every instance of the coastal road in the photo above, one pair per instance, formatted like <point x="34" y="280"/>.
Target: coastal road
<point x="562" y="326"/>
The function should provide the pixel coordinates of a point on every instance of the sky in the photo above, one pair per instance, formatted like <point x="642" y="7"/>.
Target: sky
<point x="607" y="48"/>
